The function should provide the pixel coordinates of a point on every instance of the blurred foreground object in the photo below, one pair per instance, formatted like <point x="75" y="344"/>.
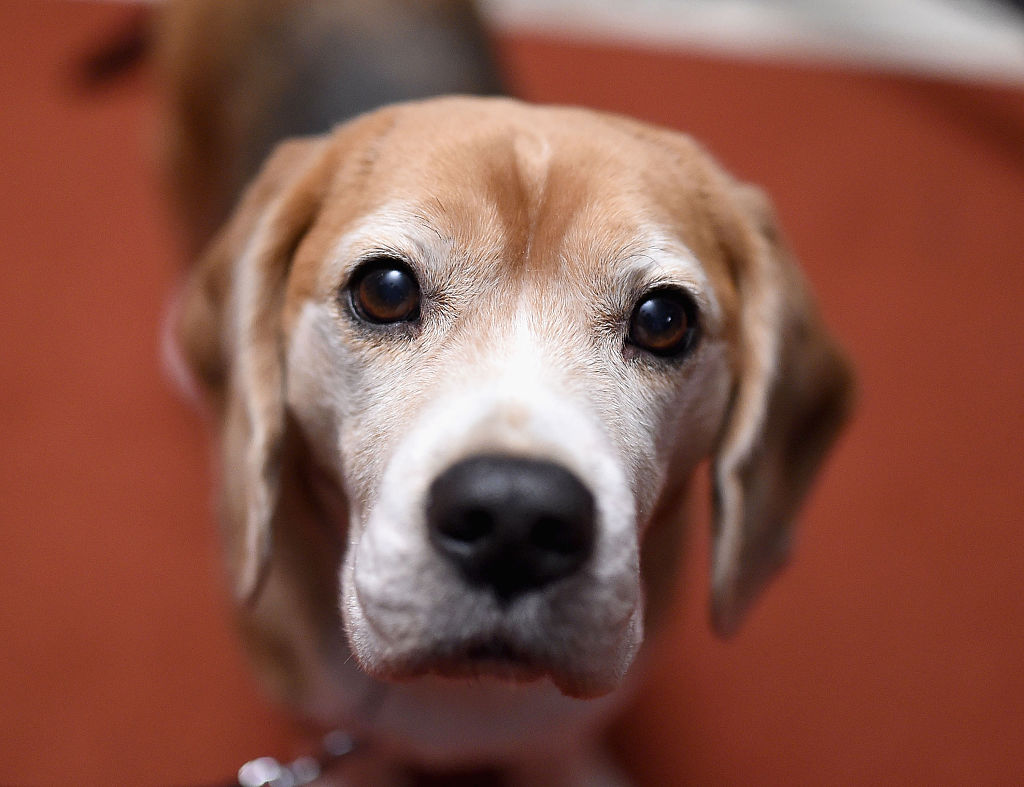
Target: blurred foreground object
<point x="966" y="40"/>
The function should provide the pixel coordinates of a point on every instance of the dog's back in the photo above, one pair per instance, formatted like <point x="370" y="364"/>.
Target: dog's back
<point x="242" y="76"/>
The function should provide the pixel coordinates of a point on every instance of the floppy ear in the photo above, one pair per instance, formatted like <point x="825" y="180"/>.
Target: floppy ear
<point x="229" y="329"/>
<point x="794" y="391"/>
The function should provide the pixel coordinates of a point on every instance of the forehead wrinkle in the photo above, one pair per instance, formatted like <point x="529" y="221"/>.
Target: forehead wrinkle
<point x="535" y="193"/>
<point x="507" y="198"/>
<point x="532" y="156"/>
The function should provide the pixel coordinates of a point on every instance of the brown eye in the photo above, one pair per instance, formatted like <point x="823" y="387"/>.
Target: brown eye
<point x="384" y="290"/>
<point x="664" y="323"/>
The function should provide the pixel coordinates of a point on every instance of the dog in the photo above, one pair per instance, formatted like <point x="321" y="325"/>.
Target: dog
<point x="463" y="356"/>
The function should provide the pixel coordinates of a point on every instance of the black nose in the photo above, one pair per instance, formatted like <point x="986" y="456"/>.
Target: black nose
<point x="511" y="524"/>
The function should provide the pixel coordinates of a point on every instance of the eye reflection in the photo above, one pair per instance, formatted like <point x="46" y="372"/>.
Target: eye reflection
<point x="664" y="323"/>
<point x="384" y="290"/>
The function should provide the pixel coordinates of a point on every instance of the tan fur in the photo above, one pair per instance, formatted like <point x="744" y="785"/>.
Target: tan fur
<point x="527" y="219"/>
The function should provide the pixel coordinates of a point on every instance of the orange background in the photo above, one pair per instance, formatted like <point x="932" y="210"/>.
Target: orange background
<point x="890" y="652"/>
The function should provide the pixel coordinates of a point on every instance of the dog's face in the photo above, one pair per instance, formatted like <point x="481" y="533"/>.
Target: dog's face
<point x="505" y="336"/>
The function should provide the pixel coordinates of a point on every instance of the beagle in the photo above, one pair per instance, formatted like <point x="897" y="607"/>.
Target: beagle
<point x="464" y="355"/>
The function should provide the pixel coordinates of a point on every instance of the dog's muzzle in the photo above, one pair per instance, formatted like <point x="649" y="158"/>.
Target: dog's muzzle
<point x="509" y="524"/>
<point x="501" y="541"/>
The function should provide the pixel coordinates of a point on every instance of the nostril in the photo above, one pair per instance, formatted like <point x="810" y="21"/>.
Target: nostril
<point x="560" y="536"/>
<point x="469" y="525"/>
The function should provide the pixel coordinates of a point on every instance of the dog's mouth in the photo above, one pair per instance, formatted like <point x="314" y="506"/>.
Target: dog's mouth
<point x="491" y="658"/>
<point x="495" y="657"/>
<point x="498" y="650"/>
<point x="503" y="568"/>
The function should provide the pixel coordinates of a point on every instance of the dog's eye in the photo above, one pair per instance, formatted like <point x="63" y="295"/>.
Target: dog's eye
<point x="385" y="290"/>
<point x="664" y="323"/>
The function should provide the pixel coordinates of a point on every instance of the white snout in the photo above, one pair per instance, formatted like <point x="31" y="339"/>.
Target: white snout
<point x="407" y="609"/>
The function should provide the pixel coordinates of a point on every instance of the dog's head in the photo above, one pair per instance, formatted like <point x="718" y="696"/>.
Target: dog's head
<point x="503" y="337"/>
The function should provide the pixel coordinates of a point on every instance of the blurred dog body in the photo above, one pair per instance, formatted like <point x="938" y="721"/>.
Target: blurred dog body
<point x="239" y="76"/>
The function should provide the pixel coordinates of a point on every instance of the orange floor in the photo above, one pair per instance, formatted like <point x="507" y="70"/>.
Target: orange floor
<point x="890" y="652"/>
